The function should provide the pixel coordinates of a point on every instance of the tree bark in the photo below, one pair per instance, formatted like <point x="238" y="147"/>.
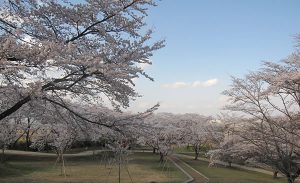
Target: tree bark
<point x="196" y="150"/>
<point x="28" y="134"/>
<point x="196" y="155"/>
<point x="27" y="140"/>
<point x="154" y="150"/>
<point x="275" y="174"/>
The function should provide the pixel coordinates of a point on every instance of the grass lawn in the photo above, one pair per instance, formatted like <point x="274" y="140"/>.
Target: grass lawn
<point x="221" y="174"/>
<point x="142" y="167"/>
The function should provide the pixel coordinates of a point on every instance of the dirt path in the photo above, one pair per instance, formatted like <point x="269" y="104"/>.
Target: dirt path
<point x="197" y="176"/>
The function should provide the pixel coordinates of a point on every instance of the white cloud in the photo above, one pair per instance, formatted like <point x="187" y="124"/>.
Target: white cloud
<point x="195" y="84"/>
<point x="208" y="83"/>
<point x="178" y="84"/>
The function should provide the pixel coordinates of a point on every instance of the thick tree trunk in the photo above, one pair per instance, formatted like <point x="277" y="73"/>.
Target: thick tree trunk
<point x="154" y="150"/>
<point x="3" y="155"/>
<point x="28" y="134"/>
<point x="196" y="150"/>
<point x="196" y="155"/>
<point x="15" y="107"/>
<point x="27" y="140"/>
<point x="229" y="163"/>
<point x="275" y="174"/>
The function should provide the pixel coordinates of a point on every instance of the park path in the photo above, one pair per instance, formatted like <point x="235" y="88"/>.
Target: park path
<point x="83" y="153"/>
<point x="233" y="165"/>
<point x="195" y="176"/>
<point x="30" y="153"/>
<point x="17" y="152"/>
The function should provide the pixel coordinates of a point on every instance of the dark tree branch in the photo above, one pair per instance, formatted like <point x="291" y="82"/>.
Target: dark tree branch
<point x="13" y="109"/>
<point x="84" y="32"/>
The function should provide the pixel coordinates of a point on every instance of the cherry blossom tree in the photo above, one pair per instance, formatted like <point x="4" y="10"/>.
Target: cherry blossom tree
<point x="230" y="146"/>
<point x="198" y="131"/>
<point x="59" y="137"/>
<point x="270" y="101"/>
<point x="161" y="134"/>
<point x="8" y="134"/>
<point x="55" y="51"/>
<point x="31" y="116"/>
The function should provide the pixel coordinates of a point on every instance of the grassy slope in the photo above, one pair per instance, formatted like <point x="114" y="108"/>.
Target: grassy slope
<point x="223" y="174"/>
<point x="143" y="167"/>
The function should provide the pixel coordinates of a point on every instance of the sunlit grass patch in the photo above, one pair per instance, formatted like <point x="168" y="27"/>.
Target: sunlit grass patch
<point x="222" y="174"/>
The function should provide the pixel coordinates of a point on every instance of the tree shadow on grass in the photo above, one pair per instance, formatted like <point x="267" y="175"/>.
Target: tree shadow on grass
<point x="18" y="165"/>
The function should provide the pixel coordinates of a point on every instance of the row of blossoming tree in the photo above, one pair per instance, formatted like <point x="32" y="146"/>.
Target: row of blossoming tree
<point x="59" y="62"/>
<point x="167" y="130"/>
<point x="263" y="126"/>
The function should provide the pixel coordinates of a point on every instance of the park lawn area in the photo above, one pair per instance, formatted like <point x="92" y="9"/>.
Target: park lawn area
<point x="142" y="167"/>
<point x="222" y="174"/>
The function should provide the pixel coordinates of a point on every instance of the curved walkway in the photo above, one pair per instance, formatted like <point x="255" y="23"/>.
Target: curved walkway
<point x="197" y="177"/>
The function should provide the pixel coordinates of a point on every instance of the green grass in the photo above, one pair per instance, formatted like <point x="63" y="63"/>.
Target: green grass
<point x="181" y="149"/>
<point x="221" y="174"/>
<point x="143" y="167"/>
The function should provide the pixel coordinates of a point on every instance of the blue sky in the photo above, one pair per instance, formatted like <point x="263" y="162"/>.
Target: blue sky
<point x="206" y="42"/>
